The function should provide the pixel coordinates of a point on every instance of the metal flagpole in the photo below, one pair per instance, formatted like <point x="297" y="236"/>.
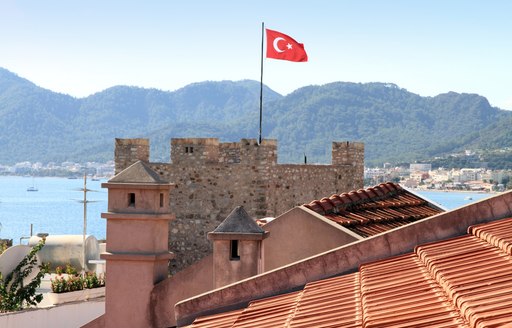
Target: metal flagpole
<point x="85" y="221"/>
<point x="261" y="80"/>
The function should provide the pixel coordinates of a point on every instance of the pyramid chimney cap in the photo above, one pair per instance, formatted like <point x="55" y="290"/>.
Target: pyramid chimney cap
<point x="238" y="225"/>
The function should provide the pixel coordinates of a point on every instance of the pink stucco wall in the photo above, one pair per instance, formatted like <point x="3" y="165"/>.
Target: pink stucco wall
<point x="194" y="280"/>
<point x="301" y="233"/>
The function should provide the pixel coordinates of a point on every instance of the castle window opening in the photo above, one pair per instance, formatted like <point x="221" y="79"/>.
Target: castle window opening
<point x="131" y="199"/>
<point x="189" y="150"/>
<point x="235" y="251"/>
<point x="161" y="200"/>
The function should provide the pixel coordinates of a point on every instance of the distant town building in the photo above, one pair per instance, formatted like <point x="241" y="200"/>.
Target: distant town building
<point x="418" y="167"/>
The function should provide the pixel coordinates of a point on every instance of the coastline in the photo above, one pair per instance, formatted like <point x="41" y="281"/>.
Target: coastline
<point x="458" y="191"/>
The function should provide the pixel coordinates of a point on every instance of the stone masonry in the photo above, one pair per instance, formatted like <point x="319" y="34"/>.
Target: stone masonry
<point x="212" y="178"/>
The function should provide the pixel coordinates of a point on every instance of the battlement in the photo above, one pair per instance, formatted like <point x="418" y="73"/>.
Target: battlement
<point x="347" y="153"/>
<point x="129" y="151"/>
<point x="192" y="151"/>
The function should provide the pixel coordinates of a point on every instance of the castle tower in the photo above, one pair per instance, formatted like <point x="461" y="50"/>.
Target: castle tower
<point x="129" y="151"/>
<point x="137" y="253"/>
<point x="190" y="151"/>
<point x="237" y="248"/>
<point x="347" y="153"/>
<point x="350" y="154"/>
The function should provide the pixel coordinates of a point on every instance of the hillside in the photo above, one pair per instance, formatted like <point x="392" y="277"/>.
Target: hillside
<point x="396" y="125"/>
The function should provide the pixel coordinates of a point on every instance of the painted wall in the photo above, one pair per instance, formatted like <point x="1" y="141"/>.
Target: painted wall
<point x="301" y="233"/>
<point x="62" y="316"/>
<point x="193" y="280"/>
<point x="227" y="271"/>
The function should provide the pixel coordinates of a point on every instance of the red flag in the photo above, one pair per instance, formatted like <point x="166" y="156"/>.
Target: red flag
<point x="281" y="46"/>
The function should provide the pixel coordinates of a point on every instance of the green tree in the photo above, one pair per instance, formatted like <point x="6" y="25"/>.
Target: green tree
<point x="14" y="295"/>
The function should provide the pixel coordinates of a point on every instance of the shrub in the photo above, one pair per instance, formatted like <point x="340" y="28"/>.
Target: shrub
<point x="14" y="295"/>
<point x="71" y="270"/>
<point x="59" y="270"/>
<point x="72" y="283"/>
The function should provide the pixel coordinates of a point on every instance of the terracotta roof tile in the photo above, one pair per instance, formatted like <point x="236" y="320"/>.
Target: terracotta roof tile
<point x="378" y="209"/>
<point x="497" y="233"/>
<point x="269" y="313"/>
<point x="475" y="274"/>
<point x="221" y="320"/>
<point x="332" y="302"/>
<point x="460" y="282"/>
<point x="315" y="206"/>
<point x="336" y="200"/>
<point x="326" y="204"/>
<point x="400" y="292"/>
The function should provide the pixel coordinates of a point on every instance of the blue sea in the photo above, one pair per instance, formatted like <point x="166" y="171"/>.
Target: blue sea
<point x="56" y="207"/>
<point x="453" y="199"/>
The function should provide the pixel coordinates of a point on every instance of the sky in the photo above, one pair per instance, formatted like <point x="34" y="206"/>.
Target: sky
<point x="428" y="47"/>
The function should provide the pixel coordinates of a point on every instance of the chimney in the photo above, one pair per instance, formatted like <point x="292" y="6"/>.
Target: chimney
<point x="137" y="253"/>
<point x="237" y="248"/>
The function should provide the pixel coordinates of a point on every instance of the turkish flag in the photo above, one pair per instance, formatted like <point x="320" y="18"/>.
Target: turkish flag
<point x="281" y="46"/>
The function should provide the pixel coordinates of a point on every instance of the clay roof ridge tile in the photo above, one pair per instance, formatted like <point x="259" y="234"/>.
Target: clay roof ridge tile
<point x="385" y="188"/>
<point x="392" y="186"/>
<point x="372" y="191"/>
<point x="352" y="195"/>
<point x="315" y="207"/>
<point x="326" y="204"/>
<point x="346" y="199"/>
<point x="337" y="203"/>
<point x="380" y="191"/>
<point x="361" y="193"/>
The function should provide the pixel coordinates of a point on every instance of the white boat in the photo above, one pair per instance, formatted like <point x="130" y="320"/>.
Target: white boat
<point x="32" y="187"/>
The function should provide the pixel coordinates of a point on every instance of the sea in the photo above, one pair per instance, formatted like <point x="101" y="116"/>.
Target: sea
<point x="57" y="207"/>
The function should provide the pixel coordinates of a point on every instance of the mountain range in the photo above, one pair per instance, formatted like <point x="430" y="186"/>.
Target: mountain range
<point x="396" y="125"/>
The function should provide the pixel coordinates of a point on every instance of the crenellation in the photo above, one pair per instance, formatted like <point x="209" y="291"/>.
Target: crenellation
<point x="229" y="153"/>
<point x="128" y="151"/>
<point x="212" y="178"/>
<point x="194" y="150"/>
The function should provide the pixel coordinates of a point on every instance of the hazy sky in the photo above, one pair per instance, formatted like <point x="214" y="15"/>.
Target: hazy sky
<point x="427" y="47"/>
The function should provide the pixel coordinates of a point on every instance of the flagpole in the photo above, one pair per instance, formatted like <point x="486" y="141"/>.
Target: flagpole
<point x="261" y="81"/>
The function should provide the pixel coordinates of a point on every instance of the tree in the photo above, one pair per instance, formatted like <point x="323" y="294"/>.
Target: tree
<point x="14" y="295"/>
<point x="509" y="185"/>
<point x="505" y="180"/>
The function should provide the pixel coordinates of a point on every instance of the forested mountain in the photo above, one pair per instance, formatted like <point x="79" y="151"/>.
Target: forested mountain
<point x="396" y="125"/>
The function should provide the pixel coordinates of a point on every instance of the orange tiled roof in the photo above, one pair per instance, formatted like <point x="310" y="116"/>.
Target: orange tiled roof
<point x="371" y="211"/>
<point x="222" y="320"/>
<point x="460" y="282"/>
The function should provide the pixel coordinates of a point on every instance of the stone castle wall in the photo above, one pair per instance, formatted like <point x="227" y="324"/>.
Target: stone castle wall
<point x="212" y="178"/>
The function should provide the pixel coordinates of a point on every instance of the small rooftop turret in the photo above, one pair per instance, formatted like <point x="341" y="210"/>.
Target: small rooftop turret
<point x="237" y="248"/>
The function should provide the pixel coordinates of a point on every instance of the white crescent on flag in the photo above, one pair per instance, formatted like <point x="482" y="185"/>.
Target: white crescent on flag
<point x="276" y="40"/>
